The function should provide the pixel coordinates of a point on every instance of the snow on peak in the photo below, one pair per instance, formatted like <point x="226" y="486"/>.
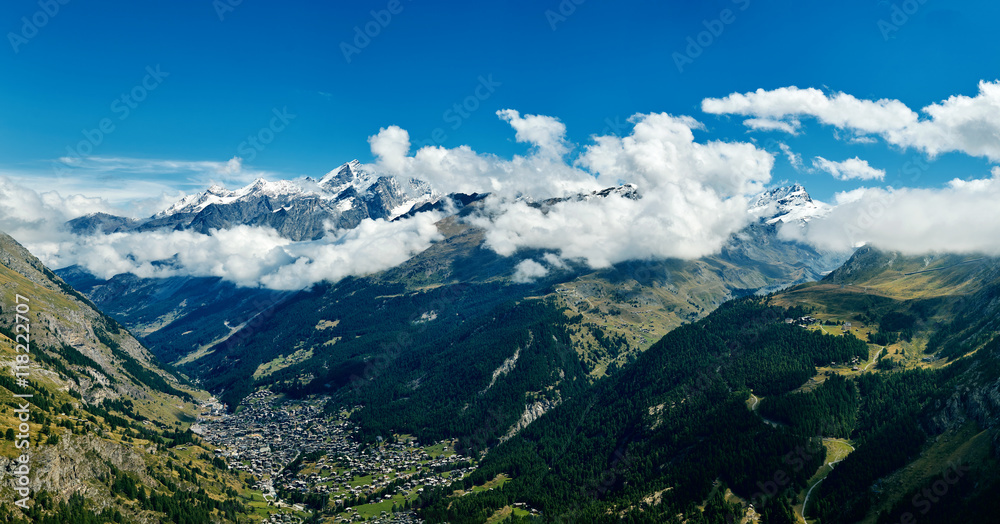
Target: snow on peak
<point x="349" y="174"/>
<point x="787" y="204"/>
<point x="629" y="191"/>
<point x="217" y="194"/>
<point x="354" y="178"/>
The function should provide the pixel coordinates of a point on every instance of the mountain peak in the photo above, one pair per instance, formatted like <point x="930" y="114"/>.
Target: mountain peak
<point x="343" y="197"/>
<point x="787" y="204"/>
<point x="351" y="173"/>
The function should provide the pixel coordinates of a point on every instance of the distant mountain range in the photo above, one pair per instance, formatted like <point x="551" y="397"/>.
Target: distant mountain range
<point x="768" y="382"/>
<point x="181" y="316"/>
<point x="104" y="419"/>
<point x="303" y="209"/>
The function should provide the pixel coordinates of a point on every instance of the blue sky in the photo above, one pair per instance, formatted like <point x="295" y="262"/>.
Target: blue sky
<point x="591" y="64"/>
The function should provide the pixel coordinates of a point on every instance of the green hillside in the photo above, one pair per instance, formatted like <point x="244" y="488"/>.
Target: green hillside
<point x="107" y="435"/>
<point x="671" y="439"/>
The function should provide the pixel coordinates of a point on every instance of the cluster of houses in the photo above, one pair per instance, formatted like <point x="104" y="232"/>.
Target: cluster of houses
<point x="262" y="439"/>
<point x="283" y="518"/>
<point x="386" y="464"/>
<point x="265" y="436"/>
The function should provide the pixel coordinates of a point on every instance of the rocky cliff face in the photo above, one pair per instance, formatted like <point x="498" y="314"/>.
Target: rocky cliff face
<point x="303" y="209"/>
<point x="78" y="463"/>
<point x="532" y="412"/>
<point x="100" y="410"/>
<point x="63" y="318"/>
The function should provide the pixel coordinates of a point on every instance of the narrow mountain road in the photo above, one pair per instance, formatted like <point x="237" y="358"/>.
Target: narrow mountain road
<point x="753" y="407"/>
<point x="805" y="503"/>
<point x="874" y="359"/>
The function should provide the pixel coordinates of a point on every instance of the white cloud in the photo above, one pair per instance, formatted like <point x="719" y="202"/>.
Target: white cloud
<point x="197" y="172"/>
<point x="847" y="197"/>
<point x="233" y="166"/>
<point x="373" y="246"/>
<point x="554" y="261"/>
<point x="30" y="216"/>
<point x="462" y="170"/>
<point x="789" y="103"/>
<point x="390" y="147"/>
<point x="135" y="187"/>
<point x="852" y="168"/>
<point x="961" y="217"/>
<point x="529" y="271"/>
<point x="692" y="197"/>
<point x="791" y="126"/>
<point x="544" y="132"/>
<point x="247" y="256"/>
<point x="961" y="123"/>
<point x="688" y="198"/>
<point x="794" y="158"/>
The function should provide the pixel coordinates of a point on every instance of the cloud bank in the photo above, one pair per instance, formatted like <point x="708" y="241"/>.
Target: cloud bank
<point x="852" y="168"/>
<point x="961" y="217"/>
<point x="244" y="255"/>
<point x="684" y="199"/>
<point x="691" y="195"/>
<point x="674" y="196"/>
<point x="970" y="125"/>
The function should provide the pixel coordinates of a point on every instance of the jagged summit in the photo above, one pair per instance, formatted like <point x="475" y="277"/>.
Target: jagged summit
<point x="787" y="204"/>
<point x="219" y="195"/>
<point x="300" y="209"/>
<point x="350" y="173"/>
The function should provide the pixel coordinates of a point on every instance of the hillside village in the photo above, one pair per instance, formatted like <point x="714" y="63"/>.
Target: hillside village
<point x="268" y="435"/>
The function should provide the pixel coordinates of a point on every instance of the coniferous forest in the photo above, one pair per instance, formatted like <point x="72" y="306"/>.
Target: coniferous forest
<point x="677" y="419"/>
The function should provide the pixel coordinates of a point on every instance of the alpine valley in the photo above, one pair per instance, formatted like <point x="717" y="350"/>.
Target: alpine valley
<point x="770" y="382"/>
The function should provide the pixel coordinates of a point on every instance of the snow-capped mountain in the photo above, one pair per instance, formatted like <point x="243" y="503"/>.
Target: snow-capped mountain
<point x="170" y="313"/>
<point x="218" y="195"/>
<point x="301" y="209"/>
<point x="787" y="204"/>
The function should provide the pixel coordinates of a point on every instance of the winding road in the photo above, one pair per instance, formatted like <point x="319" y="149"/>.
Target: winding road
<point x="756" y="401"/>
<point x="805" y="503"/>
<point x="874" y="359"/>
